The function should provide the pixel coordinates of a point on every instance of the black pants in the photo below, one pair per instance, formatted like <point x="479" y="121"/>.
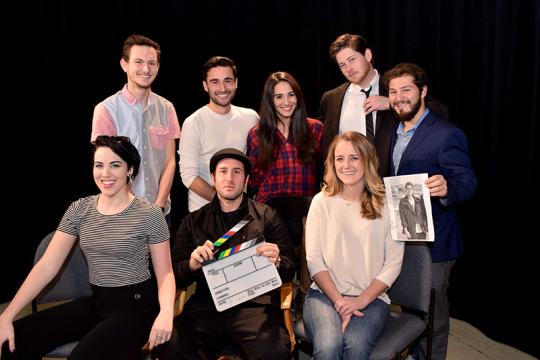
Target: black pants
<point x="112" y="324"/>
<point x="256" y="332"/>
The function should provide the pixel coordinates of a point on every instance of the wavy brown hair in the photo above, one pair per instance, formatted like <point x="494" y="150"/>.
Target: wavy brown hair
<point x="355" y="42"/>
<point x="418" y="74"/>
<point x="372" y="202"/>
<point x="302" y="137"/>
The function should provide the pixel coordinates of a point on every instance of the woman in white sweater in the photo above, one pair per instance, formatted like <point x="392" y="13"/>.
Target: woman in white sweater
<point x="350" y="254"/>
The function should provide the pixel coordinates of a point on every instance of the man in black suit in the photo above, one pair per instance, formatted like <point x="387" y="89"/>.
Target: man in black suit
<point x="361" y="104"/>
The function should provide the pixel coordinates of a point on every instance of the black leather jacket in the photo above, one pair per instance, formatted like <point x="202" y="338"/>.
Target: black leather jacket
<point x="208" y="223"/>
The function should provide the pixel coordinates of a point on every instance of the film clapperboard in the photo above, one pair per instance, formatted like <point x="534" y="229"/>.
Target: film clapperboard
<point x="238" y="274"/>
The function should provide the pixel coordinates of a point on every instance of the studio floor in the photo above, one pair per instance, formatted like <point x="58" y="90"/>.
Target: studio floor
<point x="468" y="343"/>
<point x="465" y="343"/>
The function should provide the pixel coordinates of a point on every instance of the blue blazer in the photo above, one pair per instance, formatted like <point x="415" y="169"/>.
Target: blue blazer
<point x="439" y="147"/>
<point x="330" y="115"/>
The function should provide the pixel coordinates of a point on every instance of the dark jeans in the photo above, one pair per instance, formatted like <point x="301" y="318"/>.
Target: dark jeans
<point x="112" y="324"/>
<point x="256" y="331"/>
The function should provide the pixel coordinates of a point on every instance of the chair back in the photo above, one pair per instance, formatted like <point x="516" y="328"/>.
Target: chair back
<point x="71" y="283"/>
<point x="292" y="209"/>
<point x="411" y="291"/>
<point x="412" y="288"/>
<point x="72" y="279"/>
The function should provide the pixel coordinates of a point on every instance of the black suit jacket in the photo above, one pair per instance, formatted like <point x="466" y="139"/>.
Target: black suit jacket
<point x="330" y="114"/>
<point x="208" y="223"/>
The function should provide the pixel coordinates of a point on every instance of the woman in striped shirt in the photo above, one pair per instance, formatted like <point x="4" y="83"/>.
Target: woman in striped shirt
<point x="118" y="233"/>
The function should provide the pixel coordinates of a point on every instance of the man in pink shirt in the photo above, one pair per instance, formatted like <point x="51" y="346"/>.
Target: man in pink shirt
<point x="148" y="119"/>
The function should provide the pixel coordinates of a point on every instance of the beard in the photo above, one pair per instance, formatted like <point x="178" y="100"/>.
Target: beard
<point x="407" y="115"/>
<point x="232" y="196"/>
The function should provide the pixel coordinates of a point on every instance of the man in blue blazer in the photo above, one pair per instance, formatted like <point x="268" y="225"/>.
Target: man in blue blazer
<point x="361" y="99"/>
<point x="424" y="143"/>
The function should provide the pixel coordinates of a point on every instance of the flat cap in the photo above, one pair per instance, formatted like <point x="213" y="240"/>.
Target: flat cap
<point x="233" y="154"/>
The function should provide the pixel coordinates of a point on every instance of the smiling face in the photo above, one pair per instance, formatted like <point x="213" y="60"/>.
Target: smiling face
<point x="142" y="66"/>
<point x="348" y="165"/>
<point x="110" y="172"/>
<point x="355" y="66"/>
<point x="406" y="99"/>
<point x="284" y="100"/>
<point x="220" y="84"/>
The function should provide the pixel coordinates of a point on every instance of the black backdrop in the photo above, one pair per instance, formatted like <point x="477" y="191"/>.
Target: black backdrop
<point x="482" y="59"/>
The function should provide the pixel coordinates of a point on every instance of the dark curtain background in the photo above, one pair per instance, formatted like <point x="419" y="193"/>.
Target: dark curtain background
<point x="482" y="57"/>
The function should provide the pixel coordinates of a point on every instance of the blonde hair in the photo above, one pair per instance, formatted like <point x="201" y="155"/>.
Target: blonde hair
<point x="373" y="201"/>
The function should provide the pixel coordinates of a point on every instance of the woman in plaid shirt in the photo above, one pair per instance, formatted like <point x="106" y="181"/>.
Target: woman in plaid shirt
<point x="285" y="147"/>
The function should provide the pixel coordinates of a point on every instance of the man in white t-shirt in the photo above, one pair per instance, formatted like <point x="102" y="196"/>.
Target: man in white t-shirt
<point x="213" y="127"/>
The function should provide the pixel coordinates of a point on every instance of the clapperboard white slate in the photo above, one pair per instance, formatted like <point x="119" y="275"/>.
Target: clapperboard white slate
<point x="239" y="274"/>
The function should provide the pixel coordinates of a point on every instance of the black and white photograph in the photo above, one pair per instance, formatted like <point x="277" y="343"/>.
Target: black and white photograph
<point x="410" y="207"/>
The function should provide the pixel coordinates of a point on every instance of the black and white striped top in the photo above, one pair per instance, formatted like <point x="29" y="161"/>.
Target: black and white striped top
<point x="116" y="246"/>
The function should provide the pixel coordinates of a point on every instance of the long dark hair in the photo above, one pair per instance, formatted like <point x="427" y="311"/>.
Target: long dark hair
<point x="302" y="137"/>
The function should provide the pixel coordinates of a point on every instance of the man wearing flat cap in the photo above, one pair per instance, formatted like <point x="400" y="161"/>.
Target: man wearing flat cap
<point x="256" y="327"/>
